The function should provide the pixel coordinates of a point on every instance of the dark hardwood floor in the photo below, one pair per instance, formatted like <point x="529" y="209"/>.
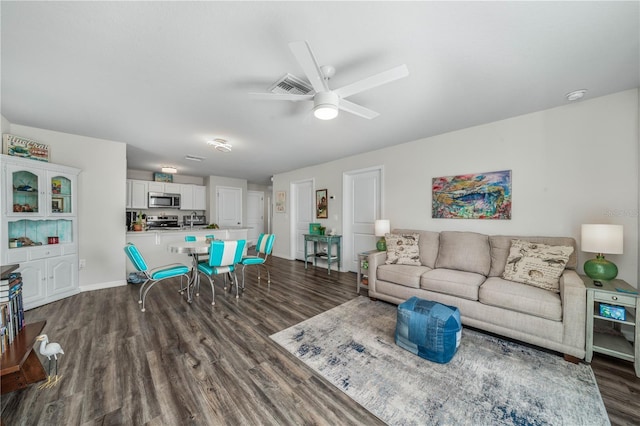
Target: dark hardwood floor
<point x="199" y="364"/>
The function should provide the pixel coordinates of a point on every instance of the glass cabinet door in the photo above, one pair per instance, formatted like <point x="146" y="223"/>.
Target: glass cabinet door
<point x="26" y="193"/>
<point x="60" y="194"/>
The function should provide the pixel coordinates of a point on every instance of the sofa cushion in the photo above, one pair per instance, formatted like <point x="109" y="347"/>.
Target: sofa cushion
<point x="455" y="283"/>
<point x="403" y="249"/>
<point x="404" y="275"/>
<point x="521" y="298"/>
<point x="464" y="251"/>
<point x="539" y="265"/>
<point x="428" y="244"/>
<point x="501" y="244"/>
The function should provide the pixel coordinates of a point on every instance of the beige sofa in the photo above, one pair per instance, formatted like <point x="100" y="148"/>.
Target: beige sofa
<point x="464" y="269"/>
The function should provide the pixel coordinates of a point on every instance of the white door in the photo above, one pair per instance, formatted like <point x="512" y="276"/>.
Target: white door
<point x="302" y="210"/>
<point x="255" y="216"/>
<point x="362" y="206"/>
<point x="229" y="206"/>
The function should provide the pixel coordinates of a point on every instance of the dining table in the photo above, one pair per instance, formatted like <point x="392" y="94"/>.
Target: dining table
<point x="195" y="249"/>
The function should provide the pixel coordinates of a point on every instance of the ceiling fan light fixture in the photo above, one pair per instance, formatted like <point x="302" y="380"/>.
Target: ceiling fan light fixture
<point x="220" y="144"/>
<point x="169" y="169"/>
<point x="325" y="105"/>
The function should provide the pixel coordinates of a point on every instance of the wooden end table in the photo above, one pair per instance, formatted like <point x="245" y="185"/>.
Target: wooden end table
<point x="611" y="341"/>
<point x="20" y="364"/>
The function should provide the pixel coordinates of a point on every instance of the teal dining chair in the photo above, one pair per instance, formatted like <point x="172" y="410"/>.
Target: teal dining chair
<point x="263" y="250"/>
<point x="153" y="276"/>
<point x="223" y="257"/>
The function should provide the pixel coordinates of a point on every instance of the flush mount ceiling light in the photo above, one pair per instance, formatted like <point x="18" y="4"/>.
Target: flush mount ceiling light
<point x="325" y="105"/>
<point x="169" y="169"/>
<point x="576" y="95"/>
<point x="220" y="144"/>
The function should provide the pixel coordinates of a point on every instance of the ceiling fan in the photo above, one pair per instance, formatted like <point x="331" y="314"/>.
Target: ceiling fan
<point x="327" y="102"/>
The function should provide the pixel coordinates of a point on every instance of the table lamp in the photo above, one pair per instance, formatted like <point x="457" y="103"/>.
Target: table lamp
<point x="382" y="227"/>
<point x="601" y="239"/>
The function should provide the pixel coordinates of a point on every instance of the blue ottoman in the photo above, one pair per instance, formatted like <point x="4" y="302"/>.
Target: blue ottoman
<point x="428" y="329"/>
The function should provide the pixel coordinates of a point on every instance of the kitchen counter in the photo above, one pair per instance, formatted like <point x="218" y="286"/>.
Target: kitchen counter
<point x="153" y="244"/>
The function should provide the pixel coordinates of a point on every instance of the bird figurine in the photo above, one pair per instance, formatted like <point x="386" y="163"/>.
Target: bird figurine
<point x="50" y="349"/>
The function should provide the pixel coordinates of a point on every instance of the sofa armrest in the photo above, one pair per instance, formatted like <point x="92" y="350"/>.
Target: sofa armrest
<point x="375" y="259"/>
<point x="573" y="294"/>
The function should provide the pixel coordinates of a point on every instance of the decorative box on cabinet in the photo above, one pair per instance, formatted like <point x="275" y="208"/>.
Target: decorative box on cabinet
<point x="39" y="227"/>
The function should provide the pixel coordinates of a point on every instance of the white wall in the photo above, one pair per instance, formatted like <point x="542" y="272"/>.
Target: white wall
<point x="101" y="200"/>
<point x="570" y="165"/>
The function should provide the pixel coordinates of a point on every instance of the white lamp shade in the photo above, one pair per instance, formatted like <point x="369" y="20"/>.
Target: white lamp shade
<point x="382" y="227"/>
<point x="606" y="239"/>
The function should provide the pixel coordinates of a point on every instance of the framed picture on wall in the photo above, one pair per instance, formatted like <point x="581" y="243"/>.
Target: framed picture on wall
<point x="281" y="201"/>
<point x="322" y="205"/>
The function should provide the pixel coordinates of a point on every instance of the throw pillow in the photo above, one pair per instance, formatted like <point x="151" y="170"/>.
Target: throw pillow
<point x="539" y="265"/>
<point x="403" y="249"/>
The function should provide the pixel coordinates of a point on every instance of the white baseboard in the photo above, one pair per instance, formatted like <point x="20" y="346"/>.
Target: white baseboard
<point x="100" y="286"/>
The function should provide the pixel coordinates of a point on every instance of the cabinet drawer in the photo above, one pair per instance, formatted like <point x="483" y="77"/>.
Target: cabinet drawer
<point x="69" y="249"/>
<point x="17" y="255"/>
<point x="619" y="299"/>
<point x="44" y="252"/>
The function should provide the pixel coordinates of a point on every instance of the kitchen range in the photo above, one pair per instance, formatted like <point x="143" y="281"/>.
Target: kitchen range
<point x="163" y="222"/>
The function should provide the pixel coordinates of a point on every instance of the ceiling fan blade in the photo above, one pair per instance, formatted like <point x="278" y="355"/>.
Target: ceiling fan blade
<point x="356" y="109"/>
<point x="307" y="61"/>
<point x="281" y="97"/>
<point x="373" y="81"/>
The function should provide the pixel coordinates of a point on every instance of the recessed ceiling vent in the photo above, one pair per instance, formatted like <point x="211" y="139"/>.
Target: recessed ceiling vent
<point x="291" y="85"/>
<point x="193" y="157"/>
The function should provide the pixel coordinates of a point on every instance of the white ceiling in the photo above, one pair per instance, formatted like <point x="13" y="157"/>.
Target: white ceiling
<point x="166" y="77"/>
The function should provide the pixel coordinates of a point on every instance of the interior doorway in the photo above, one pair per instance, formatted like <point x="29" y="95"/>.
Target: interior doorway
<point x="362" y="201"/>
<point x="255" y="216"/>
<point x="302" y="212"/>
<point x="229" y="206"/>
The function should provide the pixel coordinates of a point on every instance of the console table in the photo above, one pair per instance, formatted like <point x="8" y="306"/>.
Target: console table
<point x="329" y="255"/>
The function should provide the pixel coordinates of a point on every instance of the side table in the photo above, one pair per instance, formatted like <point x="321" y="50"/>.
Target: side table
<point x="610" y="341"/>
<point x="329" y="256"/>
<point x="363" y="259"/>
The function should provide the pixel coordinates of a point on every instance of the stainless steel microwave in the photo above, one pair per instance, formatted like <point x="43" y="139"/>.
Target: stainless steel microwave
<point x="163" y="200"/>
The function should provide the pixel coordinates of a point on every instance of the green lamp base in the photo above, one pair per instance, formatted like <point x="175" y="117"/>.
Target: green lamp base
<point x="381" y="245"/>
<point x="600" y="269"/>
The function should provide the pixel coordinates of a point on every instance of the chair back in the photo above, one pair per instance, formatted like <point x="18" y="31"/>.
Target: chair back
<point x="135" y="257"/>
<point x="265" y="244"/>
<point x="189" y="238"/>
<point x="226" y="253"/>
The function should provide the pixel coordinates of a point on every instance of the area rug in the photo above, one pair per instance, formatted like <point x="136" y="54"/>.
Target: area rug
<point x="490" y="381"/>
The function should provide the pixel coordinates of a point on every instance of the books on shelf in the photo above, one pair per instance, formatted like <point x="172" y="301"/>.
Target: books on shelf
<point x="11" y="309"/>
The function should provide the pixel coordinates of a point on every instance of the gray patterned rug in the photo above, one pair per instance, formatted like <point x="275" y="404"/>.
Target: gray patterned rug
<point x="489" y="381"/>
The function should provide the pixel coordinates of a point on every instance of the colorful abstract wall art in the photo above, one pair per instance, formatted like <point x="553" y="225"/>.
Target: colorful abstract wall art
<point x="472" y="196"/>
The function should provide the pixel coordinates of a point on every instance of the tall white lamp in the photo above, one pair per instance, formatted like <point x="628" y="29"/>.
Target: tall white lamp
<point x="382" y="227"/>
<point x="601" y="239"/>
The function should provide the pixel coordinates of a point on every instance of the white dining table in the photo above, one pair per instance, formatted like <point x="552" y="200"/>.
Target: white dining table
<point x="194" y="248"/>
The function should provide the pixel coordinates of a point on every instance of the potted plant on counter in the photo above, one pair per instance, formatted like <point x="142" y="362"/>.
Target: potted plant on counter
<point x="137" y="225"/>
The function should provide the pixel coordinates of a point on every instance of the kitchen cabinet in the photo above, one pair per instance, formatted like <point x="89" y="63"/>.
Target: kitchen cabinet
<point x="137" y="194"/>
<point x="193" y="197"/>
<point x="39" y="227"/>
<point x="169" y="188"/>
